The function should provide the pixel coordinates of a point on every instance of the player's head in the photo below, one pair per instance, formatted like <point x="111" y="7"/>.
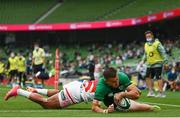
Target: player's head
<point x="149" y="36"/>
<point x="110" y="75"/>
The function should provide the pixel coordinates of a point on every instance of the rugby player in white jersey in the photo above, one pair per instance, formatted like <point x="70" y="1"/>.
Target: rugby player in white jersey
<point x="72" y="93"/>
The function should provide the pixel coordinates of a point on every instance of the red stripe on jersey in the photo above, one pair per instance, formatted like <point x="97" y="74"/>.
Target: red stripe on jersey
<point x="90" y="86"/>
<point x="69" y="95"/>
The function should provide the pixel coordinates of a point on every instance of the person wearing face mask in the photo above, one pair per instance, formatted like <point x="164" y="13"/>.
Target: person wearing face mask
<point x="12" y="68"/>
<point x="155" y="57"/>
<point x="38" y="60"/>
<point x="21" y="62"/>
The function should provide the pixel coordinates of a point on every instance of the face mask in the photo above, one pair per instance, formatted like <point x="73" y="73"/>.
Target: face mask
<point x="12" y="55"/>
<point x="173" y="71"/>
<point x="149" y="39"/>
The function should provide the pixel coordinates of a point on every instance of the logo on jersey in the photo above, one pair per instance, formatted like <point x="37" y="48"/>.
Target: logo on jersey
<point x="151" y="54"/>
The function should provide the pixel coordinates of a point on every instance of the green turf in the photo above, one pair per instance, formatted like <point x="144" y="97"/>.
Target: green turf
<point x="20" y="106"/>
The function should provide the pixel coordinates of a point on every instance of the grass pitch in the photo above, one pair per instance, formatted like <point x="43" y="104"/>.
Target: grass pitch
<point x="22" y="107"/>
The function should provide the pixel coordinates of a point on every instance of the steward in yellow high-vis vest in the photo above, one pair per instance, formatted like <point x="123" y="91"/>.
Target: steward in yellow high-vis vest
<point x="154" y="56"/>
<point x="38" y="58"/>
<point x="12" y="67"/>
<point x="12" y="63"/>
<point x="38" y="61"/>
<point x="21" y="62"/>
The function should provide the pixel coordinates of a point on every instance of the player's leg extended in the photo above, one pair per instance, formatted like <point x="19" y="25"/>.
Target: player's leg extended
<point x="51" y="102"/>
<point x="47" y="103"/>
<point x="46" y="92"/>
<point x="135" y="106"/>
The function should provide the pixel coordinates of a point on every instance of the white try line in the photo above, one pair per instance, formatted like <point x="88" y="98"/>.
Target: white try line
<point x="170" y="105"/>
<point x="43" y="110"/>
<point x="76" y="110"/>
<point x="90" y="117"/>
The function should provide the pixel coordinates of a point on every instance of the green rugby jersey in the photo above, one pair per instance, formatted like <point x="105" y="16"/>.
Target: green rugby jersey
<point x="103" y="90"/>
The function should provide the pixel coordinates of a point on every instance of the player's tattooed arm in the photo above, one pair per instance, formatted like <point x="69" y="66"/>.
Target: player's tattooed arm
<point x="96" y="107"/>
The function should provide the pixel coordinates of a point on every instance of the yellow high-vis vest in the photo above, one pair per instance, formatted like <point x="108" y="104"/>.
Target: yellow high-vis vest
<point x="38" y="56"/>
<point x="21" y="64"/>
<point x="1" y="68"/>
<point x="152" y="54"/>
<point x="13" y="63"/>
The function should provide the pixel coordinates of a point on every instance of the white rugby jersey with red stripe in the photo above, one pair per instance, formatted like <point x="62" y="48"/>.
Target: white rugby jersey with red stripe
<point x="77" y="91"/>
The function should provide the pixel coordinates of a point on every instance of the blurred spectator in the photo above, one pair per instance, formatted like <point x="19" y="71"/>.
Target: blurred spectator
<point x="29" y="69"/>
<point x="98" y="69"/>
<point x="172" y="76"/>
<point x="141" y="69"/>
<point x="91" y="66"/>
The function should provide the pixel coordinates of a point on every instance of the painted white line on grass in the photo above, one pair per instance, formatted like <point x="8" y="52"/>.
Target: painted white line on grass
<point x="43" y="110"/>
<point x="170" y="105"/>
<point x="91" y="117"/>
<point x="75" y="110"/>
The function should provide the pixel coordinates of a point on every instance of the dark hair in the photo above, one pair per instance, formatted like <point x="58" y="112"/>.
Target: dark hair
<point x="148" y="32"/>
<point x="109" y="73"/>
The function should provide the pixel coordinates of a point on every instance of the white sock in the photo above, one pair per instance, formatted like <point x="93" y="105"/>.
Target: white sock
<point x="42" y="91"/>
<point x="23" y="93"/>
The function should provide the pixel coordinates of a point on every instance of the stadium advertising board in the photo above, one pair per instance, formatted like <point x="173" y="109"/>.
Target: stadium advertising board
<point x="92" y="25"/>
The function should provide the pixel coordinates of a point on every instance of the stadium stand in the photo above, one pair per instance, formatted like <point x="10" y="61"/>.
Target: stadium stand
<point x="20" y="11"/>
<point x="79" y="10"/>
<point x="147" y="7"/>
<point x="94" y="10"/>
<point x="85" y="10"/>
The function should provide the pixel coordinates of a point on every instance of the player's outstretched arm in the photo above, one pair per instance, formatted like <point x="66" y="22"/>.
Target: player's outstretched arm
<point x="132" y="93"/>
<point x="96" y="107"/>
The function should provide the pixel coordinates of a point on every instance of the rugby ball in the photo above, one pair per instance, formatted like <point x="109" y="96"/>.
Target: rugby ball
<point x="124" y="104"/>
